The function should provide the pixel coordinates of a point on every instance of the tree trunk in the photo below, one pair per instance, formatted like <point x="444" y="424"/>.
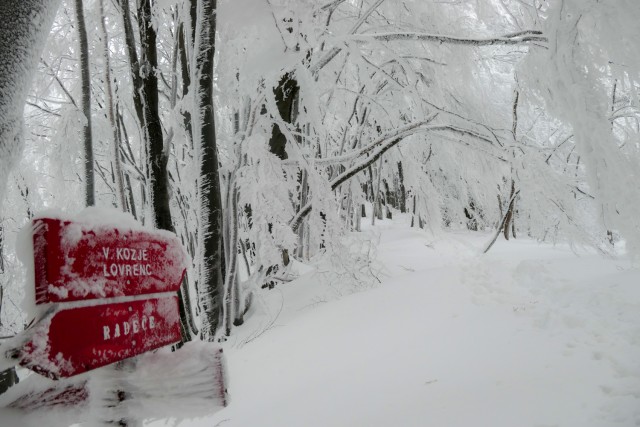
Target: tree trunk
<point x="500" y="225"/>
<point x="509" y="216"/>
<point x="232" y="294"/>
<point x="85" y="80"/>
<point x="402" y="197"/>
<point x="24" y="27"/>
<point x="158" y="153"/>
<point x="120" y="194"/>
<point x="134" y="64"/>
<point x="212" y="289"/>
<point x="286" y="99"/>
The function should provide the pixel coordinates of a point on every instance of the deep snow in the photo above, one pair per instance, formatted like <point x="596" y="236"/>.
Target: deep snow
<point x="526" y="335"/>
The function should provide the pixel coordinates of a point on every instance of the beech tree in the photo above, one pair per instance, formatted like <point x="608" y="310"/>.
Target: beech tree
<point x="23" y="29"/>
<point x="86" y="106"/>
<point x="213" y="273"/>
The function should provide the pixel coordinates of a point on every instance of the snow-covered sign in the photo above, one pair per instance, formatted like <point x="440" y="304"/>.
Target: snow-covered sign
<point x="80" y="339"/>
<point x="92" y="276"/>
<point x="79" y="261"/>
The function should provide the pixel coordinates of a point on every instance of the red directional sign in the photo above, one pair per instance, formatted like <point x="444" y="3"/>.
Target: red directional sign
<point x="79" y="339"/>
<point x="75" y="261"/>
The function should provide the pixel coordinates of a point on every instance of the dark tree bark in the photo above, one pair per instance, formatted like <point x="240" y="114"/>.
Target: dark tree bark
<point x="8" y="378"/>
<point x="509" y="216"/>
<point x="134" y="64"/>
<point x="508" y="223"/>
<point x="158" y="158"/>
<point x="402" y="197"/>
<point x="286" y="94"/>
<point x="212" y="289"/>
<point x="186" y="34"/>
<point x="145" y="99"/>
<point x="120" y="192"/>
<point x="85" y="79"/>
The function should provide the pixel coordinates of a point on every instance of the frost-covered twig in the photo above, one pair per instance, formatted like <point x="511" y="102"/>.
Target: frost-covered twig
<point x="336" y="50"/>
<point x="57" y="79"/>
<point x="53" y="113"/>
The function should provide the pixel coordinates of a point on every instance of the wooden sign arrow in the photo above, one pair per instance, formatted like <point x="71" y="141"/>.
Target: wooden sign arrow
<point x="76" y="340"/>
<point x="76" y="261"/>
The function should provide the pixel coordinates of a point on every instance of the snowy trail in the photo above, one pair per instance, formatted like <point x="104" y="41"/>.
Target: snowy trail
<point x="527" y="335"/>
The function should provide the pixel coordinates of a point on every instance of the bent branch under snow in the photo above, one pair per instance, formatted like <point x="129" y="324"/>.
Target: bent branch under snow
<point x="375" y="150"/>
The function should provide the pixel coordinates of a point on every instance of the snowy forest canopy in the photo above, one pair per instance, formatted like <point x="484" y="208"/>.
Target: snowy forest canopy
<point x="261" y="131"/>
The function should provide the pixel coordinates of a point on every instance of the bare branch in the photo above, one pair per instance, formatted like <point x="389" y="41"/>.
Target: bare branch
<point x="336" y="50"/>
<point x="42" y="109"/>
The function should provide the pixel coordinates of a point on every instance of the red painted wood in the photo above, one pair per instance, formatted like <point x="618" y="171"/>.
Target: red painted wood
<point x="75" y="261"/>
<point x="67" y="395"/>
<point x="80" y="339"/>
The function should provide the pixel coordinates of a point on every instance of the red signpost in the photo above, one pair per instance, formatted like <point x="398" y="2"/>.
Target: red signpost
<point x="76" y="262"/>
<point x="80" y="339"/>
<point x="112" y="296"/>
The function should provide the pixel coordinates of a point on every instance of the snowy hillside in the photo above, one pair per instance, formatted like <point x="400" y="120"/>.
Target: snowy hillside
<point x="527" y="335"/>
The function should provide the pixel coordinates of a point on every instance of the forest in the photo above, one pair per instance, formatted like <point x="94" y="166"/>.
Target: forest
<point x="271" y="136"/>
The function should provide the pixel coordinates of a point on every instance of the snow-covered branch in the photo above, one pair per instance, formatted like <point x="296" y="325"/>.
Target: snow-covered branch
<point x="376" y="149"/>
<point x="317" y="66"/>
<point x="524" y="37"/>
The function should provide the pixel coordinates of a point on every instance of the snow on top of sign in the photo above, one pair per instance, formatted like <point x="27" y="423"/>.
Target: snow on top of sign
<point x="89" y="218"/>
<point x="96" y="216"/>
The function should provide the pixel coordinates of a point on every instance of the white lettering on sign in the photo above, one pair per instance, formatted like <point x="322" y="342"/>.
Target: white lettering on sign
<point x="126" y="254"/>
<point x="132" y="326"/>
<point x="124" y="269"/>
<point x="112" y="270"/>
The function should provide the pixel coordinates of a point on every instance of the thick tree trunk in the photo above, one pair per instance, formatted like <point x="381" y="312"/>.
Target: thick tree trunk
<point x="134" y="64"/>
<point x="24" y="27"/>
<point x="212" y="289"/>
<point x="85" y="81"/>
<point x="158" y="156"/>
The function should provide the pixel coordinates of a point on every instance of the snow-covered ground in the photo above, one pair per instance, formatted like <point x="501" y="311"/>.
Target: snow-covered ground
<point x="527" y="335"/>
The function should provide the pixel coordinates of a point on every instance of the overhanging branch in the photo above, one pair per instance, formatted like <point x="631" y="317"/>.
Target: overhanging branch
<point x="375" y="150"/>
